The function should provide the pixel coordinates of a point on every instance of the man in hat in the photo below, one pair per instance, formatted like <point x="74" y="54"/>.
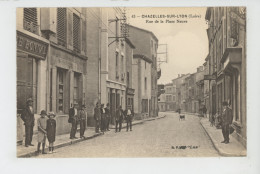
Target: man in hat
<point x="119" y="118"/>
<point x="108" y="116"/>
<point x="42" y="133"/>
<point x="73" y="114"/>
<point x="103" y="118"/>
<point x="129" y="117"/>
<point x="82" y="120"/>
<point x="227" y="118"/>
<point x="97" y="116"/>
<point x="28" y="119"/>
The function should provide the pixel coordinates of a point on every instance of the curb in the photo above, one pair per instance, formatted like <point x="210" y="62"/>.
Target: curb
<point x="214" y="142"/>
<point x="70" y="142"/>
<point x="67" y="143"/>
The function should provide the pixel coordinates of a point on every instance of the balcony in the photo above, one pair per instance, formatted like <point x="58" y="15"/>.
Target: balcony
<point x="231" y="56"/>
<point x="130" y="91"/>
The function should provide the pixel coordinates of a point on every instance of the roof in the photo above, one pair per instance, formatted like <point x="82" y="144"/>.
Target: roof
<point x="129" y="43"/>
<point x="143" y="57"/>
<point x="147" y="31"/>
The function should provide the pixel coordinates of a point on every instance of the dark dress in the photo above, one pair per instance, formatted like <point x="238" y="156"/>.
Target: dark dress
<point x="51" y="130"/>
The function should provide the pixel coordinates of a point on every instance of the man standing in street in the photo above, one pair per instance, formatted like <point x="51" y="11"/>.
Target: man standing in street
<point x="28" y="119"/>
<point x="129" y="118"/>
<point x="103" y="118"/>
<point x="204" y="110"/>
<point x="108" y="116"/>
<point x="97" y="116"/>
<point x="73" y="114"/>
<point x="82" y="120"/>
<point x="119" y="118"/>
<point x="227" y="118"/>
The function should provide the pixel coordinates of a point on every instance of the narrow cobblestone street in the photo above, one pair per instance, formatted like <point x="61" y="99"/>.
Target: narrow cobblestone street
<point x="158" y="138"/>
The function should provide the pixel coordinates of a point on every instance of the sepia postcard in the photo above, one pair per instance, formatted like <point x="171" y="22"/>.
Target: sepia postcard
<point x="131" y="82"/>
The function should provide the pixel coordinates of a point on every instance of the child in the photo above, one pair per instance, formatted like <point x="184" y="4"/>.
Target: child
<point x="51" y="131"/>
<point x="42" y="131"/>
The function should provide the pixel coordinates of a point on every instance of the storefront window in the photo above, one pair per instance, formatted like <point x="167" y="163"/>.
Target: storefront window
<point x="61" y="77"/>
<point x="76" y="88"/>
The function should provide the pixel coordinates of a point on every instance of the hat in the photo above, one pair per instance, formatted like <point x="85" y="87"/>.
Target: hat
<point x="51" y="113"/>
<point x="29" y="100"/>
<point x="43" y="112"/>
<point x="224" y="103"/>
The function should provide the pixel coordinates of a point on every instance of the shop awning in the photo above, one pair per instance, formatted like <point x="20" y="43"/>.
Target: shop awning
<point x="231" y="56"/>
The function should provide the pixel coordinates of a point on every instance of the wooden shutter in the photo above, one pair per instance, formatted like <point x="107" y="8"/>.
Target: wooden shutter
<point x="30" y="20"/>
<point x="62" y="26"/>
<point x="70" y="30"/>
<point x="76" y="33"/>
<point x="84" y="36"/>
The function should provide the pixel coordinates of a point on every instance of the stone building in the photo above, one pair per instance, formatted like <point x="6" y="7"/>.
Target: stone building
<point x="51" y="61"/>
<point x="227" y="57"/>
<point x="144" y="71"/>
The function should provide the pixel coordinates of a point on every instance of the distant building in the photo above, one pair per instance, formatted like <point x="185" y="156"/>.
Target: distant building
<point x="144" y="71"/>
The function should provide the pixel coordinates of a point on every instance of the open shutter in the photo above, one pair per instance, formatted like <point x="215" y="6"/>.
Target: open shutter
<point x="62" y="26"/>
<point x="84" y="36"/>
<point x="30" y="20"/>
<point x="70" y="30"/>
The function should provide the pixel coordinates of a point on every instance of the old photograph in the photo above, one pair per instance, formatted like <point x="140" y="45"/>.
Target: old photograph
<point x="135" y="82"/>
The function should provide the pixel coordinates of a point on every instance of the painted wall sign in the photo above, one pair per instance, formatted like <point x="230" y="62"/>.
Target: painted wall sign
<point x="31" y="45"/>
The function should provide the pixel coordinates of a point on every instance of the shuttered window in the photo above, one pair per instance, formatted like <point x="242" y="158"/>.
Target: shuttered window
<point x="76" y="33"/>
<point x="62" y="26"/>
<point x="30" y="20"/>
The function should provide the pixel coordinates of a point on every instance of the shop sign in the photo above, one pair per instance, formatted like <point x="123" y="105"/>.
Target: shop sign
<point x="31" y="45"/>
<point x="209" y="77"/>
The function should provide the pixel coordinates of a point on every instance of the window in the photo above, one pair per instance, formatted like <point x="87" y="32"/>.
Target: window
<point x="76" y="33"/>
<point x="145" y="83"/>
<point x="76" y="88"/>
<point x="116" y="59"/>
<point x="61" y="26"/>
<point x="122" y="63"/>
<point x="145" y="65"/>
<point x="30" y="20"/>
<point x="128" y="78"/>
<point x="60" y="92"/>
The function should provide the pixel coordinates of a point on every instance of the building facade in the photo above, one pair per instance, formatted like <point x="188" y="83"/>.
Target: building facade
<point x="51" y="61"/>
<point x="145" y="71"/>
<point x="227" y="59"/>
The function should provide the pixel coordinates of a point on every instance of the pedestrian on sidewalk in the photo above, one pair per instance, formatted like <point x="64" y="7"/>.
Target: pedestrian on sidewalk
<point x="82" y="120"/>
<point x="108" y="116"/>
<point x="42" y="125"/>
<point x="204" y="111"/>
<point x="129" y="118"/>
<point x="119" y="118"/>
<point x="28" y="118"/>
<point x="51" y="131"/>
<point x="73" y="116"/>
<point x="227" y="118"/>
<point x="103" y="118"/>
<point x="97" y="116"/>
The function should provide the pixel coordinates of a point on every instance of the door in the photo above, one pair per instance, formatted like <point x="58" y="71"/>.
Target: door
<point x="26" y="81"/>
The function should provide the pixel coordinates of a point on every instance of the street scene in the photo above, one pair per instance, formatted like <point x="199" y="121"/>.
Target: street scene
<point x="131" y="82"/>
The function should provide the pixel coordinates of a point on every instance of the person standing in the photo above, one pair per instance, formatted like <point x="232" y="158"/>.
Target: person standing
<point x="51" y="131"/>
<point x="73" y="114"/>
<point x="204" y="111"/>
<point x="129" y="118"/>
<point x="108" y="116"/>
<point x="82" y="120"/>
<point x="42" y="124"/>
<point x="97" y="116"/>
<point x="227" y="118"/>
<point x="119" y="118"/>
<point x="103" y="118"/>
<point x="28" y="118"/>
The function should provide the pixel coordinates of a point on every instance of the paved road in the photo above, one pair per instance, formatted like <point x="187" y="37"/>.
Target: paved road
<point x="157" y="138"/>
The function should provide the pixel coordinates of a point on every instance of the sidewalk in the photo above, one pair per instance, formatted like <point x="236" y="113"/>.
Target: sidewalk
<point x="234" y="148"/>
<point x="63" y="140"/>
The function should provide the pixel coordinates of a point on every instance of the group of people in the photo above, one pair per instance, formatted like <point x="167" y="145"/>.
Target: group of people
<point x="102" y="118"/>
<point x="46" y="127"/>
<point x="77" y="115"/>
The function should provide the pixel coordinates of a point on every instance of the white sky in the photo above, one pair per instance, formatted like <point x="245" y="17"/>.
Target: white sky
<point x="187" y="42"/>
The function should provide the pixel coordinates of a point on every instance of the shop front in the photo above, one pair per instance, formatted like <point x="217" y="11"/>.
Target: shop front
<point x="31" y="75"/>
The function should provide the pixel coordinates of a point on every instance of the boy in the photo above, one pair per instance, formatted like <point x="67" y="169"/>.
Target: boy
<point x="51" y="131"/>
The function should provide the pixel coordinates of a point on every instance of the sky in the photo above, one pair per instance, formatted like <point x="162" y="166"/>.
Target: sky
<point x="187" y="42"/>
